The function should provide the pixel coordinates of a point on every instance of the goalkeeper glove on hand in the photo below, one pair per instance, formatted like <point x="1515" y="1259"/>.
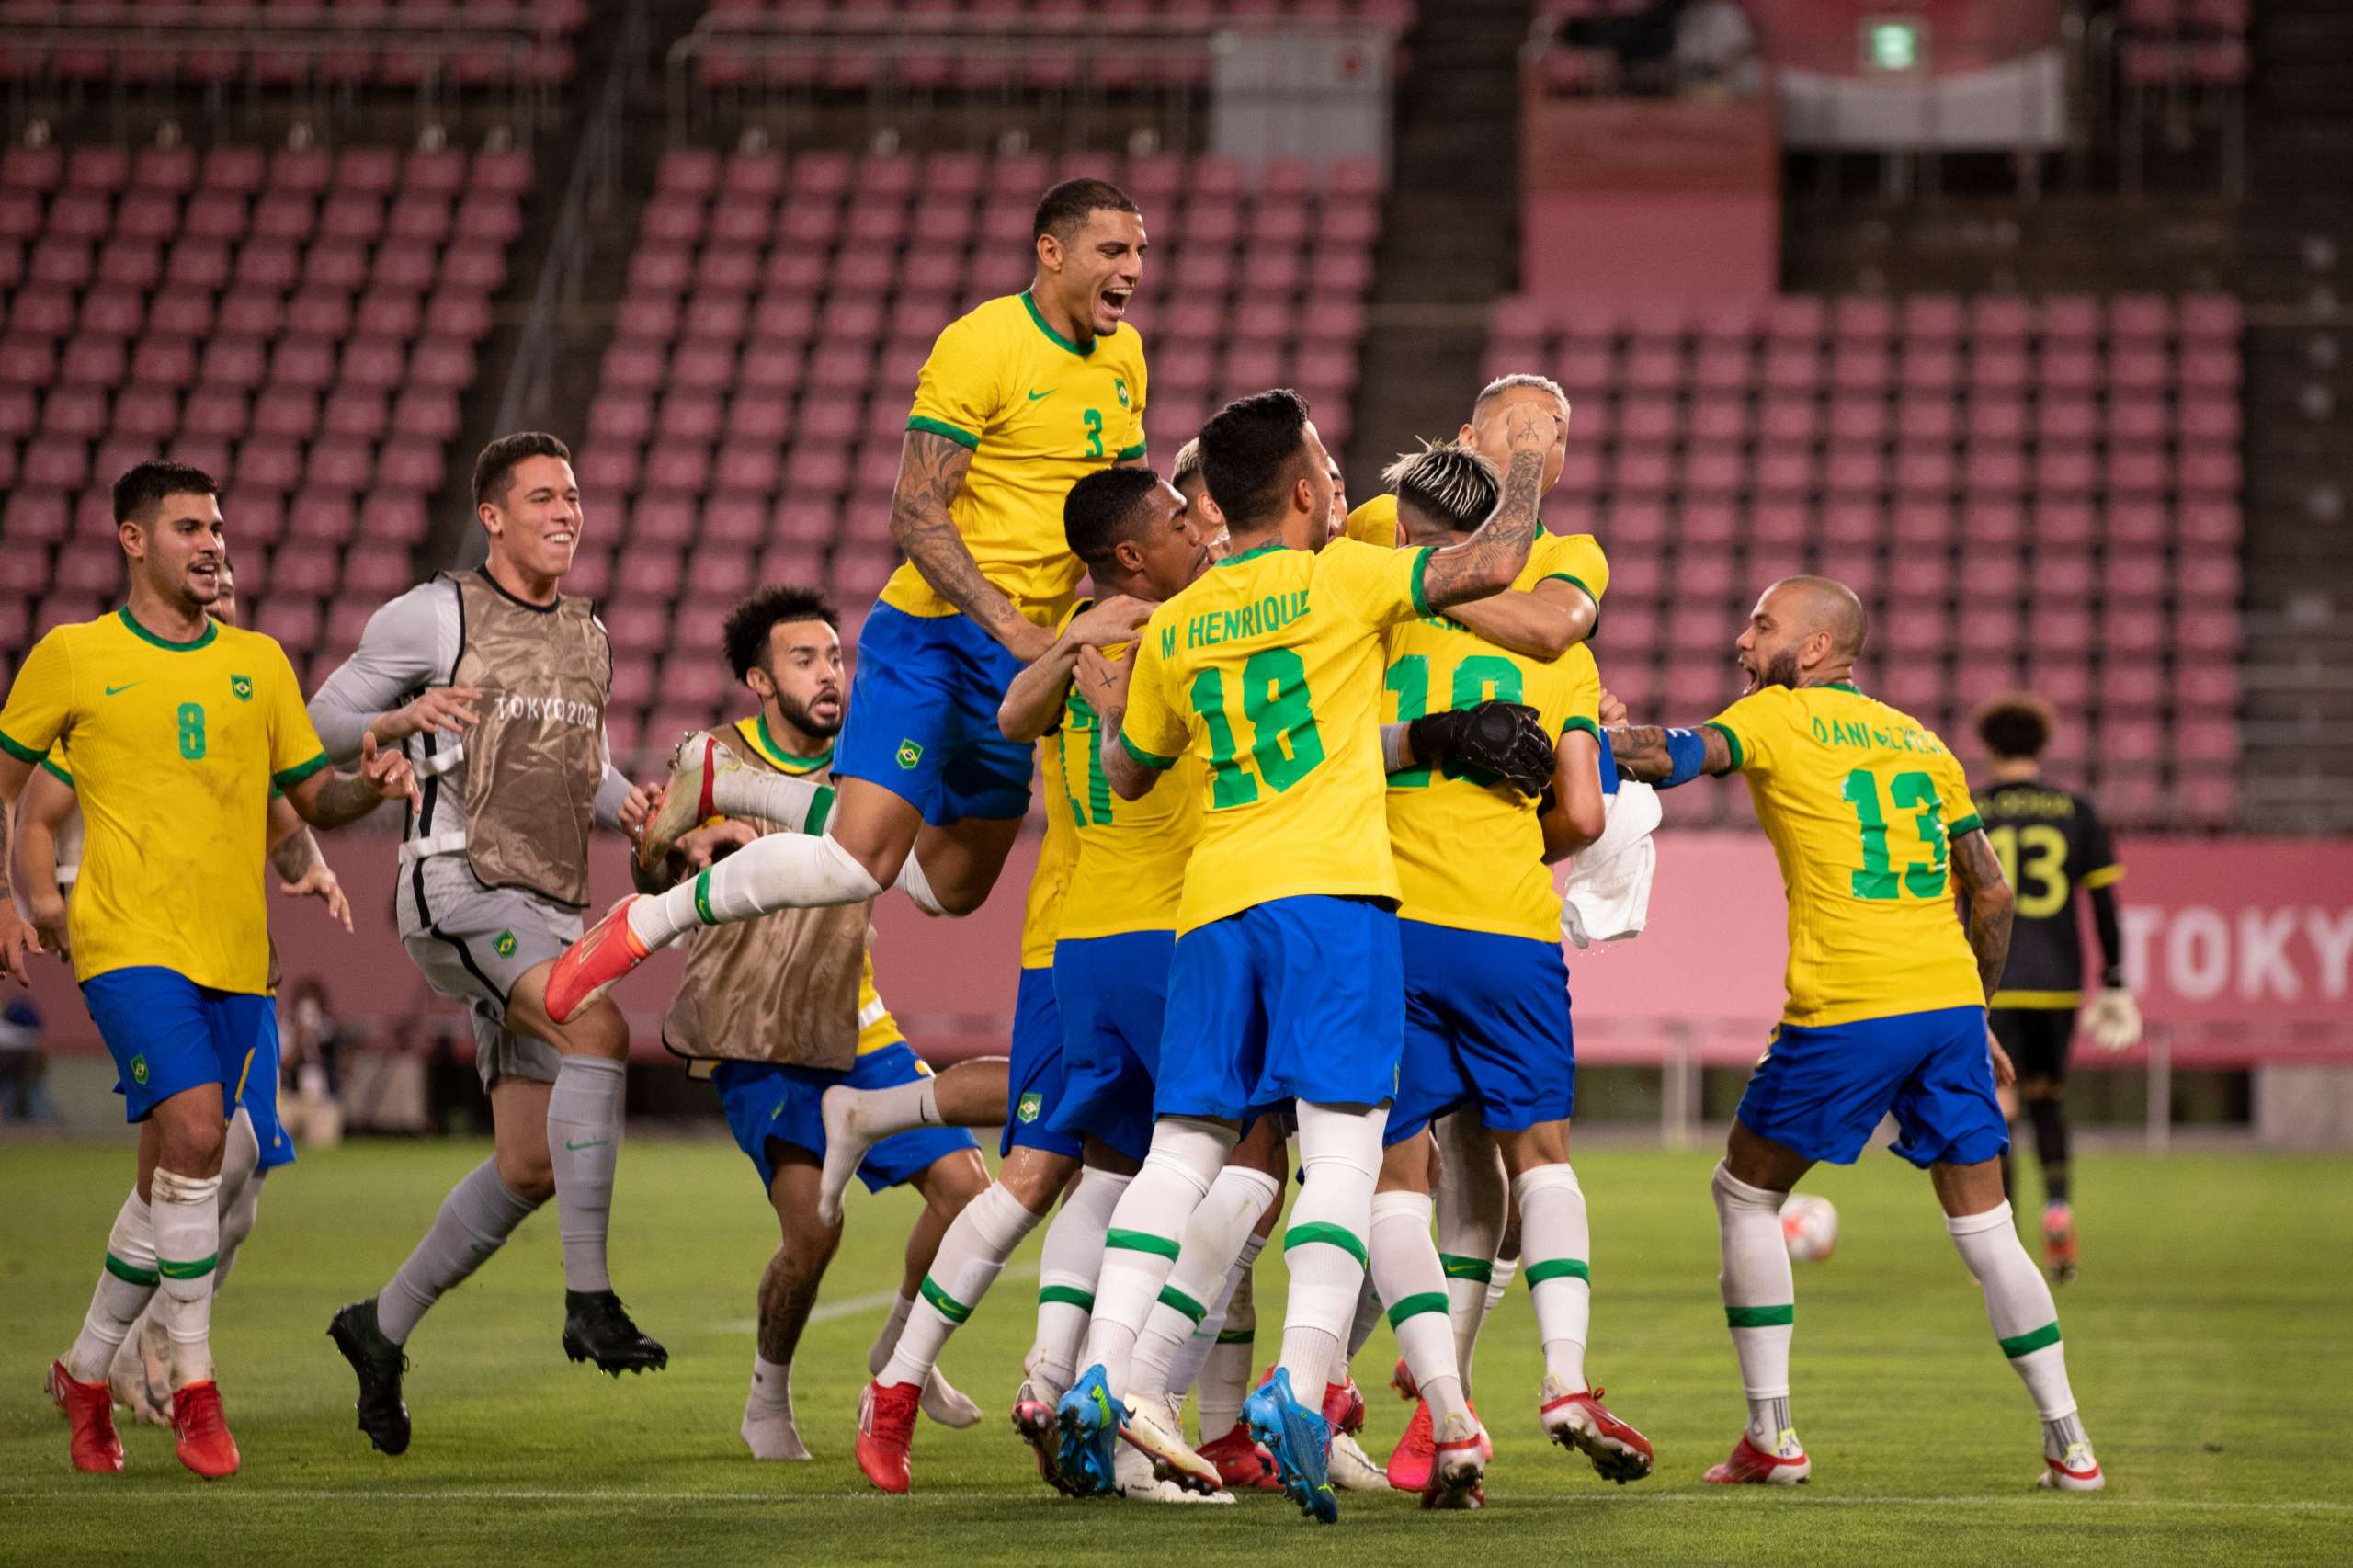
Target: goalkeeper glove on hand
<point x="1506" y="738"/>
<point x="2113" y="1020"/>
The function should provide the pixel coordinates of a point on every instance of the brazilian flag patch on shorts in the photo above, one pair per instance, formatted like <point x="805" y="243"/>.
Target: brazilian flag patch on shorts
<point x="504" y="943"/>
<point x="1029" y="1109"/>
<point x="909" y="753"/>
<point x="138" y="1070"/>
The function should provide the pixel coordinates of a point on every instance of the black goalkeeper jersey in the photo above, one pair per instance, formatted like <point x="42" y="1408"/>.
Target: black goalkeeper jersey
<point x="2051" y="842"/>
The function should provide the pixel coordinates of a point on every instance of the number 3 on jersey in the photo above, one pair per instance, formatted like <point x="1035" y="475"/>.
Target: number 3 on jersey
<point x="1284" y="741"/>
<point x="1876" y="879"/>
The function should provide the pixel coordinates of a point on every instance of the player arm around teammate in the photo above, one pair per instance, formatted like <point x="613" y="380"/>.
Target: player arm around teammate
<point x="1034" y="701"/>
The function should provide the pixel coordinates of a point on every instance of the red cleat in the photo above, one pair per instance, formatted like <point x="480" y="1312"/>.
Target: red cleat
<point x="89" y="1416"/>
<point x="1241" y="1464"/>
<point x="886" y="1429"/>
<point x="1752" y="1466"/>
<point x="591" y="966"/>
<point x="1415" y="1455"/>
<point x="2059" y="1243"/>
<point x="1457" y="1467"/>
<point x="205" y="1446"/>
<point x="1402" y="1379"/>
<point x="1581" y="1421"/>
<point x="1343" y="1405"/>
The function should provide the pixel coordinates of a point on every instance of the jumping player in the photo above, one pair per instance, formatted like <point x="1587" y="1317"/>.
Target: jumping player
<point x="2052" y="845"/>
<point x="1019" y="400"/>
<point x="1870" y="820"/>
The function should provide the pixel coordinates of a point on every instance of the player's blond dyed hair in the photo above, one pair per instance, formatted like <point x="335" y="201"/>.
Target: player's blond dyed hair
<point x="1448" y="480"/>
<point x="1188" y="463"/>
<point x="1503" y="384"/>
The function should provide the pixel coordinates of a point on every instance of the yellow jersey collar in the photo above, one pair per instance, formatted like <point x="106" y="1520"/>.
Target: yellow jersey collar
<point x="1056" y="338"/>
<point x="211" y="630"/>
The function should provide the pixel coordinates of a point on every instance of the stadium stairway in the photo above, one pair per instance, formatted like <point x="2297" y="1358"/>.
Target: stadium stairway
<point x="1453" y="229"/>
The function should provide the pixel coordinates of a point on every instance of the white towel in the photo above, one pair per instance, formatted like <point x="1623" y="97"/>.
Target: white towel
<point x="1609" y="893"/>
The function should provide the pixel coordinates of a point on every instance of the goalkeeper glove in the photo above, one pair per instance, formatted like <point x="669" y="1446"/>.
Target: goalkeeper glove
<point x="2113" y="1020"/>
<point x="1506" y="738"/>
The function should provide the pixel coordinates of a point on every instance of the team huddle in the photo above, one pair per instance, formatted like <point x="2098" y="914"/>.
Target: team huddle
<point x="1306" y="772"/>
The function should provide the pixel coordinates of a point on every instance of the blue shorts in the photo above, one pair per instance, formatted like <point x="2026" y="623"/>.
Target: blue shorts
<point x="922" y="718"/>
<point x="1300" y="999"/>
<point x="1034" y="1085"/>
<point x="1821" y="1091"/>
<point x="1486" y="1026"/>
<point x="1113" y="992"/>
<point x="764" y="1103"/>
<point x="168" y="1035"/>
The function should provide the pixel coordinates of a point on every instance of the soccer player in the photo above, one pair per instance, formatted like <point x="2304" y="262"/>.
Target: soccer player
<point x="176" y="727"/>
<point x="1487" y="1027"/>
<point x="1870" y="820"/>
<point x="2052" y="845"/>
<point x="1267" y="671"/>
<point x="494" y="682"/>
<point x="786" y="1009"/>
<point x="1019" y="400"/>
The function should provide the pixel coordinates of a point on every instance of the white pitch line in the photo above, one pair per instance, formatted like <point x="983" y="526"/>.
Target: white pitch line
<point x="854" y="1306"/>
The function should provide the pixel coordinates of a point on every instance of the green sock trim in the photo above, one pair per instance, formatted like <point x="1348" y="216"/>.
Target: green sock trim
<point x="2027" y="1344"/>
<point x="1067" y="1296"/>
<point x="1172" y="1297"/>
<point x="1479" y="1268"/>
<point x="1330" y="1236"/>
<point x="820" y="808"/>
<point x="203" y="1265"/>
<point x="1761" y="1317"/>
<point x="703" y="899"/>
<point x="1414" y="1306"/>
<point x="1141" y="1241"/>
<point x="1238" y="1336"/>
<point x="131" y="1273"/>
<point x="950" y="1307"/>
<point x="1556" y="1268"/>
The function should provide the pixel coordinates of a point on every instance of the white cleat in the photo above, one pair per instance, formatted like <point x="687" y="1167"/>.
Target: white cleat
<point x="948" y="1404"/>
<point x="847" y="1141"/>
<point x="1352" y="1469"/>
<point x="2076" y="1471"/>
<point x="141" y="1375"/>
<point x="1136" y="1477"/>
<point x="770" y="1435"/>
<point x="687" y="802"/>
<point x="1459" y="1466"/>
<point x="1157" y="1431"/>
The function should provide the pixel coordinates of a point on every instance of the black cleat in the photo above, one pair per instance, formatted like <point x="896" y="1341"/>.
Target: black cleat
<point x="597" y="1329"/>
<point x="379" y="1362"/>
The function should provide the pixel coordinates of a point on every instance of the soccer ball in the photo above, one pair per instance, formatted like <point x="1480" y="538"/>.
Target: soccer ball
<point x="1810" y="1227"/>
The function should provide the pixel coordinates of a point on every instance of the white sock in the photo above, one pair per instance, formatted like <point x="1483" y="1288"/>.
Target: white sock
<point x="902" y="1108"/>
<point x="1759" y="1301"/>
<point x="186" y="1213"/>
<point x="894" y="1324"/>
<point x="969" y="1257"/>
<point x="1498" y="1286"/>
<point x="1069" y="1262"/>
<point x="780" y="798"/>
<point x="2018" y="1301"/>
<point x="583" y="1150"/>
<point x="1556" y="1248"/>
<point x="1142" y="1243"/>
<point x="1471" y="1207"/>
<point x="1368" y="1310"/>
<point x="1406" y="1271"/>
<point x="777" y="870"/>
<point x="1192" y="1356"/>
<point x="767" y="1428"/>
<point x="125" y="1286"/>
<point x="241" y="1180"/>
<point x="1324" y="1246"/>
<point x="1226" y="1370"/>
<point x="1221" y="1222"/>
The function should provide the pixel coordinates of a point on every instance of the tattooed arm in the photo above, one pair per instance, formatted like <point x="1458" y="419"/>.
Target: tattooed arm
<point x="1544" y="622"/>
<point x="931" y="470"/>
<point x="1490" y="558"/>
<point x="1987" y="905"/>
<point x="330" y="798"/>
<point x="1641" y="751"/>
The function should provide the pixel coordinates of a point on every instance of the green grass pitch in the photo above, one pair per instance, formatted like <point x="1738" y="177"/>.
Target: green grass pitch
<point x="2209" y="1338"/>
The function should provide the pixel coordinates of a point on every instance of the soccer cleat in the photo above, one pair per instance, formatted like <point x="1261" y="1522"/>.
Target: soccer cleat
<point x="1090" y="1419"/>
<point x="1137" y="1479"/>
<point x="1300" y="1442"/>
<point x="596" y="1328"/>
<point x="846" y="1142"/>
<point x="1159" y="1435"/>
<point x="2059" y="1243"/>
<point x="1416" y="1451"/>
<point x="1241" y="1464"/>
<point x="141" y="1374"/>
<point x="89" y="1416"/>
<point x="1456" y="1467"/>
<point x="687" y="803"/>
<point x="205" y="1446"/>
<point x="379" y="1364"/>
<point x="886" y="1429"/>
<point x="1344" y="1406"/>
<point x="1752" y="1466"/>
<point x="2076" y="1471"/>
<point x="595" y="964"/>
<point x="1034" y="1423"/>
<point x="1352" y="1468"/>
<point x="1581" y="1421"/>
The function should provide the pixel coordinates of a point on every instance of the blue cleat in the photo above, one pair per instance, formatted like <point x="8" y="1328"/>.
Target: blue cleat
<point x="1090" y="1419"/>
<point x="1300" y="1441"/>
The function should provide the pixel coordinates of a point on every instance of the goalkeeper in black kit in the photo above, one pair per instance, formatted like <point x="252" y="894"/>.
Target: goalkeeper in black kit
<point x="2052" y="845"/>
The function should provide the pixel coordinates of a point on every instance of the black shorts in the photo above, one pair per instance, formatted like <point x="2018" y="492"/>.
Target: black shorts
<point x="2036" y="1038"/>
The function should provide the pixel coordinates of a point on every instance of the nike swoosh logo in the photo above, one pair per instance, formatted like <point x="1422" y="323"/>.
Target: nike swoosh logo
<point x="588" y="1143"/>
<point x="1048" y="392"/>
<point x="118" y="690"/>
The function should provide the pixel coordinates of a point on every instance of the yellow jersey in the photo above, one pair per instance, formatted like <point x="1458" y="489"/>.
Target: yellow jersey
<point x="1375" y="522"/>
<point x="1854" y="796"/>
<point x="1469" y="849"/>
<point x="174" y="749"/>
<point x="1266" y="671"/>
<point x="1038" y="413"/>
<point x="1131" y="854"/>
<point x="1041" y="910"/>
<point x="1573" y="558"/>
